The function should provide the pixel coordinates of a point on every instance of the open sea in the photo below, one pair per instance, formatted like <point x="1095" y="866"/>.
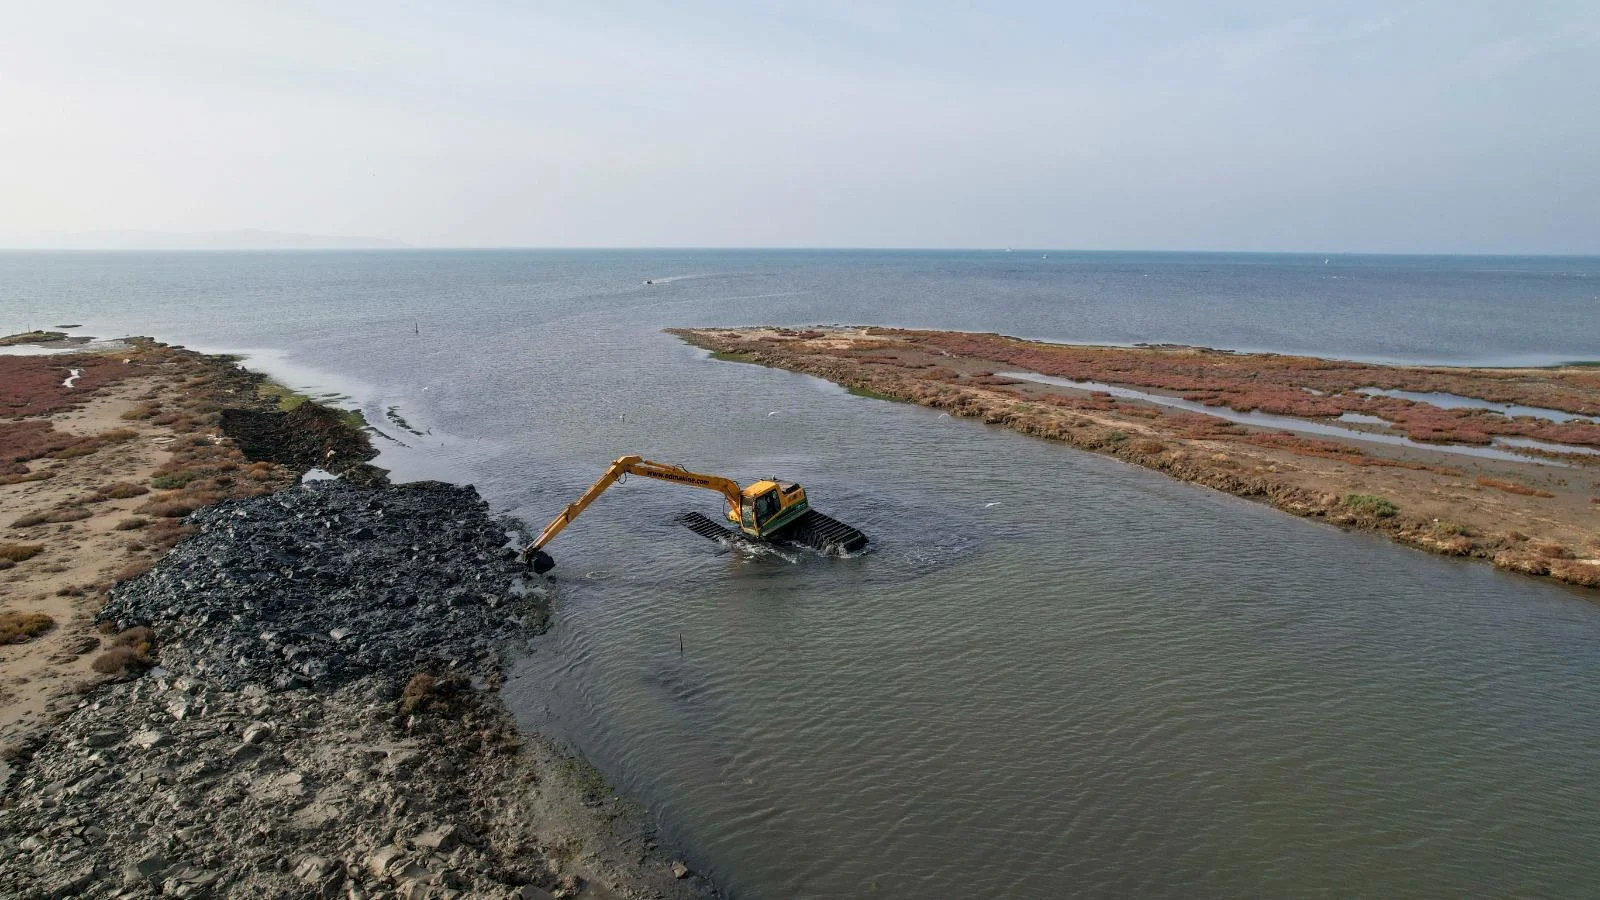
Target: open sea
<point x="1055" y="674"/>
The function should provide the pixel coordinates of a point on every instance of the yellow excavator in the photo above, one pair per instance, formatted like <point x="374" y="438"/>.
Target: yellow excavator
<point x="767" y="510"/>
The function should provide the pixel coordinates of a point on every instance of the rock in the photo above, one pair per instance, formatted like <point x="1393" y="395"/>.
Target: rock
<point x="189" y="881"/>
<point x="379" y="861"/>
<point x="142" y="870"/>
<point x="529" y="892"/>
<point x="257" y="733"/>
<point x="150" y="739"/>
<point x="315" y="870"/>
<point x="103" y="738"/>
<point x="70" y="883"/>
<point x="679" y="870"/>
<point x="439" y="840"/>
<point x="413" y="889"/>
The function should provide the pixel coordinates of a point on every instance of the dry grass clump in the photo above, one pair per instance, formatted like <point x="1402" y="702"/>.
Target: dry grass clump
<point x="133" y="570"/>
<point x="93" y="443"/>
<point x="18" y="628"/>
<point x="426" y="693"/>
<point x="162" y="534"/>
<point x="38" y="439"/>
<point x="15" y="553"/>
<point x="142" y="411"/>
<point x="1586" y="574"/>
<point x="1511" y="487"/>
<point x="261" y="471"/>
<point x="130" y="653"/>
<point x="172" y="505"/>
<point x="47" y="517"/>
<point x="1553" y="551"/>
<point x="122" y="490"/>
<point x="131" y="523"/>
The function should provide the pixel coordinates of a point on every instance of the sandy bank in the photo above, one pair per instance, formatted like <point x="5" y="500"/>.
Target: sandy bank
<point x="1538" y="514"/>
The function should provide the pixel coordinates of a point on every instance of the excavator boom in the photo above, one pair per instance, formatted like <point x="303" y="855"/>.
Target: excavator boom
<point x="760" y="510"/>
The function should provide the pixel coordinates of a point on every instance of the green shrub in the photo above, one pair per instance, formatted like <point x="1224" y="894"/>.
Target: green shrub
<point x="1367" y="504"/>
<point x="174" y="480"/>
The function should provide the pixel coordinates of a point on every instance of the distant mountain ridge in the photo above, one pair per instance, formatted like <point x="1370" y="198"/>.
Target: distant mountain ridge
<point x="240" y="239"/>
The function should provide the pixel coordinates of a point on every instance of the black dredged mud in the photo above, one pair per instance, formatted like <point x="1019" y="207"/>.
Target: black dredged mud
<point x="326" y="582"/>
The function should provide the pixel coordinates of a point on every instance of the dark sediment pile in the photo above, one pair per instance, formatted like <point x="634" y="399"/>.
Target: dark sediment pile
<point x="322" y="722"/>
<point x="307" y="437"/>
<point x="326" y="582"/>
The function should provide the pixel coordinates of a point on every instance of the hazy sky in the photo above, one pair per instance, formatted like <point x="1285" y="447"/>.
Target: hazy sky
<point x="1395" y="127"/>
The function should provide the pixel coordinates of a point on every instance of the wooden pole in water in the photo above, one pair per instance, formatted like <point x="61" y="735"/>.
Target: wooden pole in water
<point x="680" y="643"/>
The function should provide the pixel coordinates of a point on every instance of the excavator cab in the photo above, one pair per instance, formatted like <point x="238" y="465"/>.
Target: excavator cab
<point x="769" y="506"/>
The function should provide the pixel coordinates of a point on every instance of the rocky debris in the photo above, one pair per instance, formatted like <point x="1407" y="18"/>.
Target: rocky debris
<point x="273" y="752"/>
<point x="327" y="582"/>
<point x="349" y="796"/>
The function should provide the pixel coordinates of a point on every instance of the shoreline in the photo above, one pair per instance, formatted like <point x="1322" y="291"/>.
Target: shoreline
<point x="1537" y="514"/>
<point x="272" y="712"/>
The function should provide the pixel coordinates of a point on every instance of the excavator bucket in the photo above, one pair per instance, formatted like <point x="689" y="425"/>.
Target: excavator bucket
<point x="541" y="562"/>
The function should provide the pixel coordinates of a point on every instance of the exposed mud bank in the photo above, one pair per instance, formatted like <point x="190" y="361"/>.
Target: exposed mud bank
<point x="1523" y="516"/>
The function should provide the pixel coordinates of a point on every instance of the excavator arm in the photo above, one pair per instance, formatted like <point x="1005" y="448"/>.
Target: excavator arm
<point x="534" y="553"/>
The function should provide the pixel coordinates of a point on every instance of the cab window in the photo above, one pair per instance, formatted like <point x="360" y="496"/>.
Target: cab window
<point x="766" y="506"/>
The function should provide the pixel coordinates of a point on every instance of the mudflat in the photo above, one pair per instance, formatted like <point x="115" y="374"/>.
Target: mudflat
<point x="1496" y="464"/>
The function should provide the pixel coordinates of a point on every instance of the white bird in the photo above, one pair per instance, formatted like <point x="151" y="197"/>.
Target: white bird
<point x="995" y="503"/>
<point x="773" y="413"/>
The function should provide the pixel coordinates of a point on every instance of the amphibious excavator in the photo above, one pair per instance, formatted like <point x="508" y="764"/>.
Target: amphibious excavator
<point x="768" y="510"/>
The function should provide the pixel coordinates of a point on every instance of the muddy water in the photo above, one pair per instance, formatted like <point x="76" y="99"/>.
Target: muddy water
<point x="1055" y="674"/>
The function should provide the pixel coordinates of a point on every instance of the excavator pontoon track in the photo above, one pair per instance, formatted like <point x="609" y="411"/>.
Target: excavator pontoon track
<point x="821" y="533"/>
<point x="824" y="534"/>
<point x="705" y="527"/>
